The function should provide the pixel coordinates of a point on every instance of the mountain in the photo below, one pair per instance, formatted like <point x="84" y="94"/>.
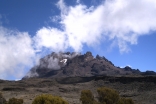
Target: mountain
<point x="75" y="64"/>
<point x="67" y="74"/>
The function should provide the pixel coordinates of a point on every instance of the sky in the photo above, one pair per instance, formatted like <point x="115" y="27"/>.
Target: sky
<point x="123" y="31"/>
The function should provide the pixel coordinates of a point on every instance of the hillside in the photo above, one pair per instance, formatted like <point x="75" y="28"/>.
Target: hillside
<point x="67" y="74"/>
<point x="74" y="64"/>
<point x="141" y="89"/>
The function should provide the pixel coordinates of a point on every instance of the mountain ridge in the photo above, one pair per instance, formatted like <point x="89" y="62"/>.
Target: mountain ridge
<point x="77" y="64"/>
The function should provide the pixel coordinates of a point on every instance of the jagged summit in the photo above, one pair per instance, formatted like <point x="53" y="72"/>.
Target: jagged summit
<point x="76" y="64"/>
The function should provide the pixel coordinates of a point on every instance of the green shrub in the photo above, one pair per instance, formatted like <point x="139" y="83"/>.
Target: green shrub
<point x="15" y="101"/>
<point x="87" y="97"/>
<point x="48" y="99"/>
<point x="125" y="101"/>
<point x="107" y="95"/>
<point x="2" y="99"/>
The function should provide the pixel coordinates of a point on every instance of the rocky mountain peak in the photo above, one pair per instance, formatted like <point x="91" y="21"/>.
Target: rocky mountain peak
<point x="75" y="64"/>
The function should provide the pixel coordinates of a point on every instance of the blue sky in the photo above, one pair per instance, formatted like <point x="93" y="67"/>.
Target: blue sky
<point x="122" y="31"/>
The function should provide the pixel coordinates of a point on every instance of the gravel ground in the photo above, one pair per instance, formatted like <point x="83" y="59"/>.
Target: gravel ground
<point x="141" y="92"/>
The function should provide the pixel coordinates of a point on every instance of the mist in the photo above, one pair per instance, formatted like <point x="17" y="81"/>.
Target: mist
<point x="53" y="61"/>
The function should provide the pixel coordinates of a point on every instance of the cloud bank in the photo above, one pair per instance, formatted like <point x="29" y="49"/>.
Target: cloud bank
<point x="118" y="21"/>
<point x="17" y="53"/>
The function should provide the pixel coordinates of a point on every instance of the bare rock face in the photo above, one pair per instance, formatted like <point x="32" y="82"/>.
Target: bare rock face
<point x="74" y="64"/>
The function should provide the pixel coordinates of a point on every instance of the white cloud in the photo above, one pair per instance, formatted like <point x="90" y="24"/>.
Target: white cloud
<point x="62" y="6"/>
<point x="82" y="27"/>
<point x="16" y="53"/>
<point x="51" y="38"/>
<point x="55" y="19"/>
<point x="115" y="20"/>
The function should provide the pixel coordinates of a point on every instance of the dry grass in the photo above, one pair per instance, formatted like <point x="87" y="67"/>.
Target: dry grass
<point x="141" y="92"/>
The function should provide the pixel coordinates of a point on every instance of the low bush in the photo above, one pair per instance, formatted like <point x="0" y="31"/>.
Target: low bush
<point x="87" y="97"/>
<point x="111" y="96"/>
<point x="125" y="101"/>
<point x="105" y="96"/>
<point x="15" y="101"/>
<point x="48" y="99"/>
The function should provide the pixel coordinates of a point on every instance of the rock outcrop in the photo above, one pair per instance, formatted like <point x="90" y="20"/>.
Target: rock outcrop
<point x="74" y="64"/>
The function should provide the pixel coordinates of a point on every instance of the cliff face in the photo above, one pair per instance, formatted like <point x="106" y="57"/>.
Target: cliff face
<point x="75" y="64"/>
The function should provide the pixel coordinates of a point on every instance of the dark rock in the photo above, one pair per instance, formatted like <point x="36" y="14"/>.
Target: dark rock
<point x="13" y="89"/>
<point x="74" y="64"/>
<point x="149" y="73"/>
<point x="127" y="68"/>
<point x="98" y="68"/>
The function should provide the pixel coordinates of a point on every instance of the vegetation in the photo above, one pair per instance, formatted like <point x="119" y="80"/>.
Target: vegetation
<point x="105" y="96"/>
<point x="125" y="101"/>
<point x="111" y="96"/>
<point x="15" y="101"/>
<point x="48" y="99"/>
<point x="87" y="97"/>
